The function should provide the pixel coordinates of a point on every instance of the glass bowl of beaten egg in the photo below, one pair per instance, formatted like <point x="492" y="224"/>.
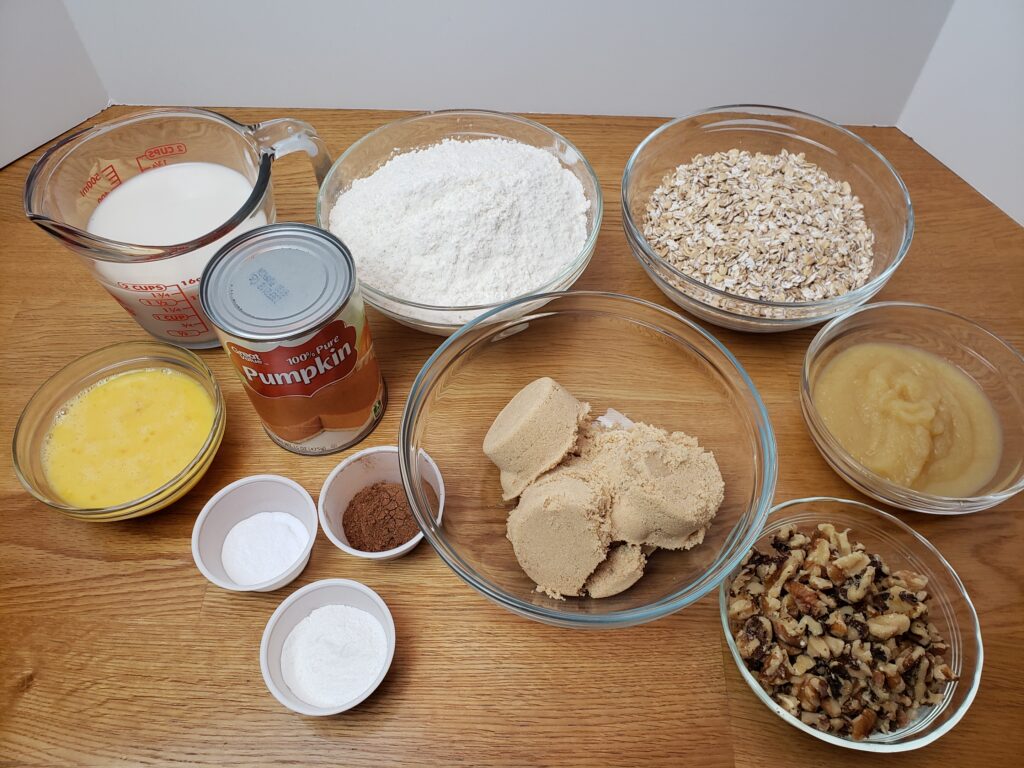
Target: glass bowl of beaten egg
<point x="613" y="352"/>
<point x="917" y="407"/>
<point x="120" y="432"/>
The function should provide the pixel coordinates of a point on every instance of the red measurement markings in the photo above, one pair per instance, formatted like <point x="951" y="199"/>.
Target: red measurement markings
<point x="110" y="174"/>
<point x="199" y="318"/>
<point x="162" y="302"/>
<point x="155" y="157"/>
<point x="173" y="318"/>
<point x="194" y="321"/>
<point x="183" y="311"/>
<point x="144" y="287"/>
<point x="107" y="173"/>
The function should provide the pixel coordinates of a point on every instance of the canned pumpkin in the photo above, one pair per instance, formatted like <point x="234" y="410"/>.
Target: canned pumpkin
<point x="287" y="309"/>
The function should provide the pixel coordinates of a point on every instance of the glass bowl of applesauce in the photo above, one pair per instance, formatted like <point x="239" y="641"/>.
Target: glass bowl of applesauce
<point x="917" y="407"/>
<point x="120" y="432"/>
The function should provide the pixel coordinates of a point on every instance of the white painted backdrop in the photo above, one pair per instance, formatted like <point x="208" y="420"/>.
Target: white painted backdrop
<point x="967" y="107"/>
<point x="854" y="62"/>
<point x="912" y="63"/>
<point x="47" y="80"/>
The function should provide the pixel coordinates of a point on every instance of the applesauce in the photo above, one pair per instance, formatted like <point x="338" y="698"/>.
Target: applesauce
<point x="910" y="417"/>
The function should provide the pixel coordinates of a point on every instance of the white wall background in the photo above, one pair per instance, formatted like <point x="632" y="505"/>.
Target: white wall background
<point x="854" y="62"/>
<point x="967" y="107"/>
<point x="948" y="73"/>
<point x="47" y="81"/>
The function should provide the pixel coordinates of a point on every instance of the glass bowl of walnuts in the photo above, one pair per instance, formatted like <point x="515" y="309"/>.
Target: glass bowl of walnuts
<point x="852" y="627"/>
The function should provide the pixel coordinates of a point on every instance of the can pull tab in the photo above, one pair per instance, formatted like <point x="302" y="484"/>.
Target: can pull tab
<point x="285" y="135"/>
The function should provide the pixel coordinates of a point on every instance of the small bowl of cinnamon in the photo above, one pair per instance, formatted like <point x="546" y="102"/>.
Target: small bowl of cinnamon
<point x="363" y="506"/>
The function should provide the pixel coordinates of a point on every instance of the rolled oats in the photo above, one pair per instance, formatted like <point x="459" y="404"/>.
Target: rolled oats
<point x="768" y="227"/>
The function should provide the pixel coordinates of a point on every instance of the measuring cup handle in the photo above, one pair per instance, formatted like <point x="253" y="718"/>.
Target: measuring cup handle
<point x="283" y="136"/>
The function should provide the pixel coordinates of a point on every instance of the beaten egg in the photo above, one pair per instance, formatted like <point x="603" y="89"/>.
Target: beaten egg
<point x="126" y="436"/>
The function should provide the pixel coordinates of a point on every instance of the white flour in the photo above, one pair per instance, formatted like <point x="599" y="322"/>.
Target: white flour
<point x="333" y="655"/>
<point x="463" y="222"/>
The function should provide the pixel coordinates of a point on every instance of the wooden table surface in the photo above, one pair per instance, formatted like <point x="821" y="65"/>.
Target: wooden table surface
<point x="114" y="649"/>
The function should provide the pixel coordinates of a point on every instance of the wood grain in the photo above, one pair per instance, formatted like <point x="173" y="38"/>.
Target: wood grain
<point x="114" y="649"/>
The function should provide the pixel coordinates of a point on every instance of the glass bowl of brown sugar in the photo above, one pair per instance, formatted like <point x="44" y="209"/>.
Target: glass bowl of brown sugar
<point x="614" y="352"/>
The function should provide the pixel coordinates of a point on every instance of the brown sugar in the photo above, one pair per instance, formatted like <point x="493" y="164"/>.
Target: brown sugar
<point x="379" y="518"/>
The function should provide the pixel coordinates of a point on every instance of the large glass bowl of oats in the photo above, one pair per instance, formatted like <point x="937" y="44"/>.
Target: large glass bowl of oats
<point x="764" y="219"/>
<point x="852" y="627"/>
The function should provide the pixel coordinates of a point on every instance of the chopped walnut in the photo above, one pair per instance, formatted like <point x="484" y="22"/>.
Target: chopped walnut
<point x="754" y="641"/>
<point x="853" y="563"/>
<point x="834" y="636"/>
<point x="888" y="625"/>
<point x="863" y="724"/>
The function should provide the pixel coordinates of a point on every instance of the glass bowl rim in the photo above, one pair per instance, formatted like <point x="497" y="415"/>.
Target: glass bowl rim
<point x="862" y="746"/>
<point x="597" y="204"/>
<point x="191" y="360"/>
<point x="169" y="250"/>
<point x="737" y="320"/>
<point x="765" y="436"/>
<point x="863" y="293"/>
<point x="826" y="442"/>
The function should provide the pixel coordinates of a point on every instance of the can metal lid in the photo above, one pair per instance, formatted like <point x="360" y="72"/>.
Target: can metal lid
<point x="277" y="282"/>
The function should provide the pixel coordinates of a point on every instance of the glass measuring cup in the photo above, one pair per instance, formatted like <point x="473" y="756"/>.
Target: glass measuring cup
<point x="158" y="284"/>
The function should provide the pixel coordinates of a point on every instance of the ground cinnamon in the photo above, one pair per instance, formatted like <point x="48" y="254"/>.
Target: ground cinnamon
<point x="379" y="518"/>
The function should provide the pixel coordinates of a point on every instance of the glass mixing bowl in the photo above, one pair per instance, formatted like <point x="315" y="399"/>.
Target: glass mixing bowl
<point x="420" y="131"/>
<point x="842" y="154"/>
<point x="951" y="611"/>
<point x="995" y="366"/>
<point x="614" y="352"/>
<point x="41" y="410"/>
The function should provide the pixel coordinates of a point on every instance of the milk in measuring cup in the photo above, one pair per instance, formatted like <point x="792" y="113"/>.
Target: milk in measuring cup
<point x="164" y="206"/>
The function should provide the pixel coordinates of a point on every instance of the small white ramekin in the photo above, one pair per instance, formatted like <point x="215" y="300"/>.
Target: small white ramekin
<point x="236" y="502"/>
<point x="369" y="466"/>
<point x="298" y="606"/>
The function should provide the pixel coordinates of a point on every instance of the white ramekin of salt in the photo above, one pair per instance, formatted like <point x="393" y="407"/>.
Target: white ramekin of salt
<point x="256" y="534"/>
<point x="327" y="647"/>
